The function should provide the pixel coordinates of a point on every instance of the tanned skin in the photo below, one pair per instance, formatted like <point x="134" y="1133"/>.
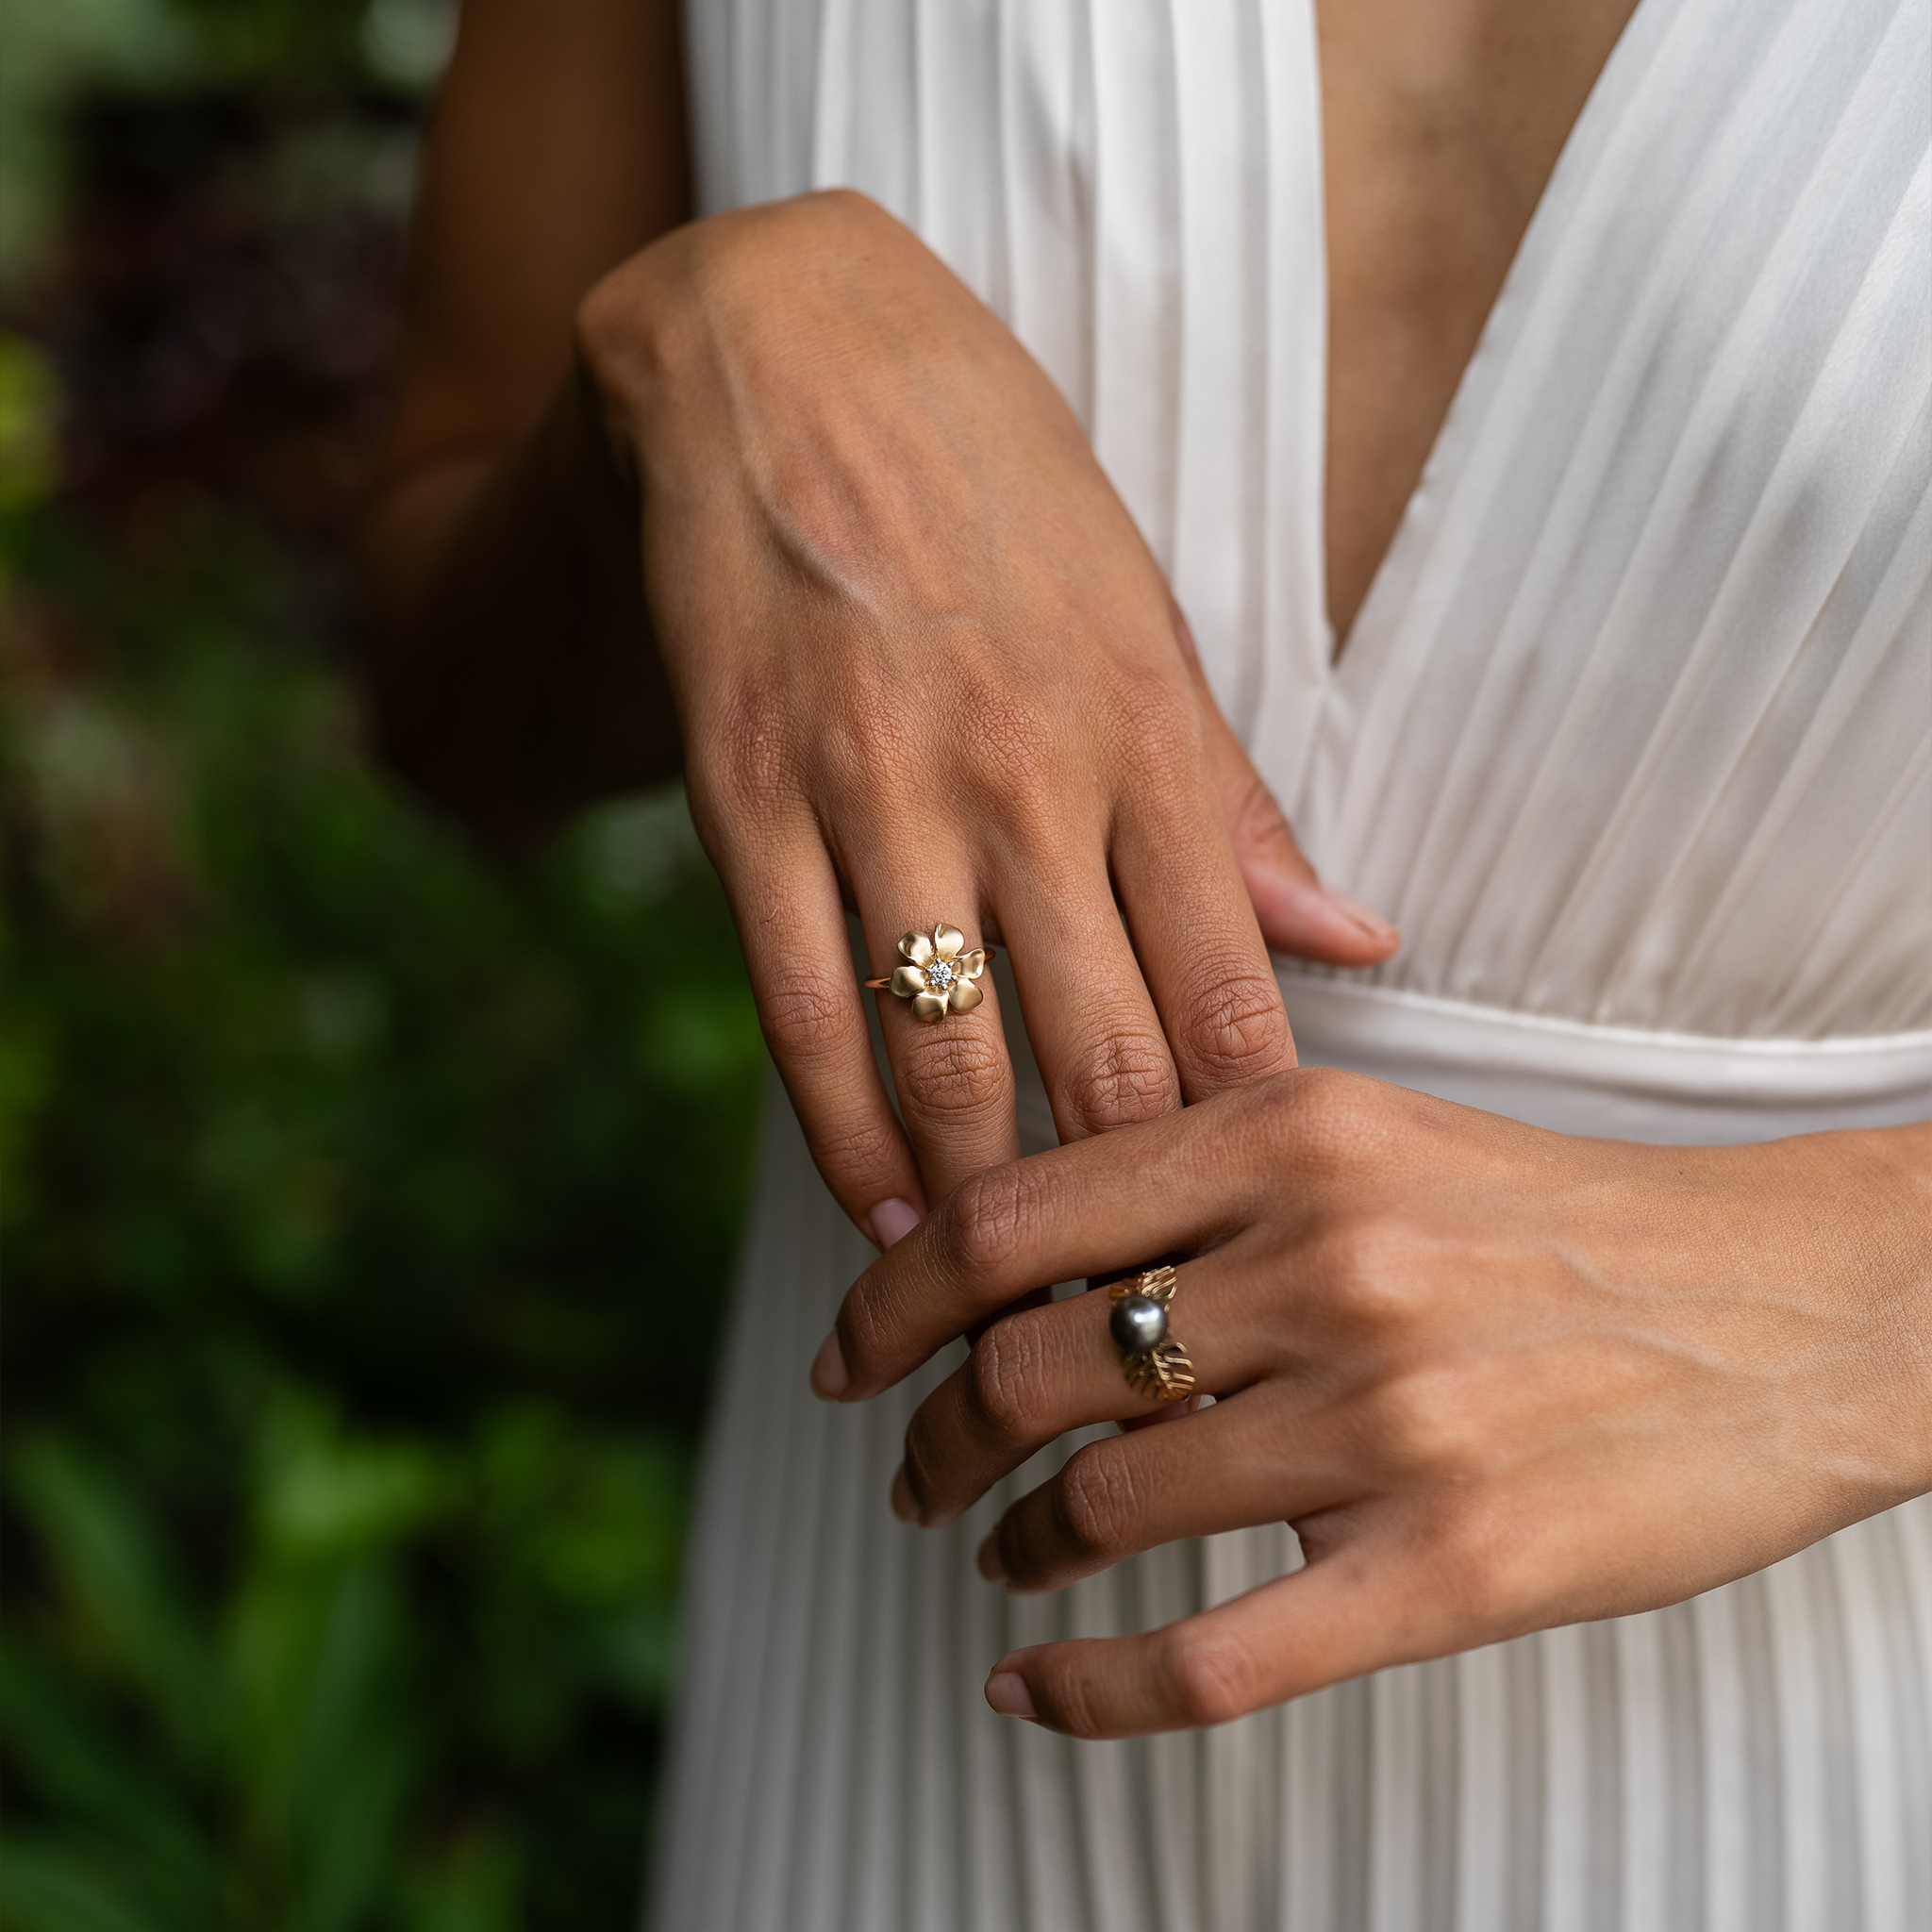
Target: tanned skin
<point x="772" y="499"/>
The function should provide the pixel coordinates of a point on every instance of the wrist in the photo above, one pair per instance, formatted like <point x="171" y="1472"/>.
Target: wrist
<point x="712" y="298"/>
<point x="1849" y="1215"/>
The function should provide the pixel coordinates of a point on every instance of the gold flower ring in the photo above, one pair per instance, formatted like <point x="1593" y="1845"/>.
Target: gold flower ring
<point x="939" y="975"/>
<point x="1156" y="1365"/>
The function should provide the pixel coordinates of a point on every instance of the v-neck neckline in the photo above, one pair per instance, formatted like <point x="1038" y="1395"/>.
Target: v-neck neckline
<point x="1339" y="653"/>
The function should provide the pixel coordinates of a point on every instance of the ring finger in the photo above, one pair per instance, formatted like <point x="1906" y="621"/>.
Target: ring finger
<point x="1037" y="1373"/>
<point x="941" y="1023"/>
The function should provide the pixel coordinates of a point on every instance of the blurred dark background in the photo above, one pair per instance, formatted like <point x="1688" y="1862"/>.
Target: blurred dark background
<point x="365" y="1209"/>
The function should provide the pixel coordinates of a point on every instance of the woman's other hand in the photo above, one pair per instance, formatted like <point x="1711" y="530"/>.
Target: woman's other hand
<point x="926" y="668"/>
<point x="1495" y="1378"/>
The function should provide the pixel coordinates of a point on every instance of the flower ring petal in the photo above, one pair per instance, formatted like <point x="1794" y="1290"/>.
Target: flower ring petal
<point x="964" y="996"/>
<point x="908" y="982"/>
<point x="916" y="947"/>
<point x="929" y="1007"/>
<point x="948" y="941"/>
<point x="972" y="964"/>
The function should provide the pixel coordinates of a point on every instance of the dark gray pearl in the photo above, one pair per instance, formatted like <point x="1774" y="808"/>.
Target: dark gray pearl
<point x="1137" y="1323"/>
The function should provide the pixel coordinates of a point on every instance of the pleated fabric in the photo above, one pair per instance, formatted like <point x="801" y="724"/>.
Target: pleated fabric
<point x="1673" y="551"/>
<point x="1633" y="737"/>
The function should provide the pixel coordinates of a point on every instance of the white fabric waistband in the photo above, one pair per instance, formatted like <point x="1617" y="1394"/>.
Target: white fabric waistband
<point x="1620" y="1081"/>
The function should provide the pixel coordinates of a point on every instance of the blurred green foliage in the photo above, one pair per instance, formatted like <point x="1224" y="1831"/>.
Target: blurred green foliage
<point x="365" y="1215"/>
<point x="291" y="53"/>
<point x="365" y="1208"/>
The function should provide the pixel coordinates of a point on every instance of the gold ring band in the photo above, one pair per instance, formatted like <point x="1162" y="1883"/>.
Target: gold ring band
<point x="1156" y="1365"/>
<point x="939" y="975"/>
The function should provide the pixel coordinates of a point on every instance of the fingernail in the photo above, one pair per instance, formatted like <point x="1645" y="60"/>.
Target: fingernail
<point x="989" y="1560"/>
<point x="1006" y="1690"/>
<point x="893" y="1221"/>
<point x="829" y="1375"/>
<point x="1358" y="914"/>
<point x="904" y="1507"/>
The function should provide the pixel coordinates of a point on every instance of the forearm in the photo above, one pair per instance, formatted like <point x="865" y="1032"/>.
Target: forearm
<point x="511" y="667"/>
<point x="508" y="663"/>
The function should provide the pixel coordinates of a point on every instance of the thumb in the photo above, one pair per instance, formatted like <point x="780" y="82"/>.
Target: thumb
<point x="1298" y="915"/>
<point x="1297" y="912"/>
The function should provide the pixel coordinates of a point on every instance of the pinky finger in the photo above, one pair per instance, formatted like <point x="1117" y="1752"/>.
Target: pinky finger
<point x="1337" y="1618"/>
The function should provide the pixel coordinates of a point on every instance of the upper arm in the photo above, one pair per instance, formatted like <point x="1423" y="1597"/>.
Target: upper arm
<point x="557" y="149"/>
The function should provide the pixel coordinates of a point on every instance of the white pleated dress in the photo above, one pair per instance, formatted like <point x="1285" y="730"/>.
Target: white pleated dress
<point x="1633" y="739"/>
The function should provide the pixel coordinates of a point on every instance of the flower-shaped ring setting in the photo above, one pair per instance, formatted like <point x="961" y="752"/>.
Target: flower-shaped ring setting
<point x="939" y="975"/>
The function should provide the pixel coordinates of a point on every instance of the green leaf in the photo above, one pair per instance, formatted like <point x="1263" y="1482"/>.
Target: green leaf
<point x="356" y="1772"/>
<point x="75" y="1765"/>
<point x="45" y="1887"/>
<point x="331" y="1750"/>
<point x="704" y="1039"/>
<point x="474" y="1886"/>
<point x="29" y="423"/>
<point x="113" y="1571"/>
<point x="28" y="1057"/>
<point x="309" y="1097"/>
<point x="324" y="1493"/>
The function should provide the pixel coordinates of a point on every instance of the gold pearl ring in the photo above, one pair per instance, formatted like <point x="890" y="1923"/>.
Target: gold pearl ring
<point x="939" y="975"/>
<point x="1156" y="1366"/>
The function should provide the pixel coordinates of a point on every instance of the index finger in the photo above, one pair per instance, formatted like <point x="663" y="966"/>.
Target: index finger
<point x="785" y="899"/>
<point x="1083" y="1208"/>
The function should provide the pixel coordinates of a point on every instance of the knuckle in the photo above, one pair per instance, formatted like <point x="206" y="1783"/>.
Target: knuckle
<point x="1155" y="711"/>
<point x="1211" y="1678"/>
<point x="1097" y="1506"/>
<point x="924" y="1470"/>
<point x="807" y="1017"/>
<point x="1423" y="1426"/>
<point x="955" y="1075"/>
<point x="863" y="1325"/>
<point x="1015" y="747"/>
<point x="873" y="1327"/>
<point x="855" y="1151"/>
<point x="1129" y="1078"/>
<point x="991" y="1219"/>
<point x="1004" y="1376"/>
<point x="1369" y="1278"/>
<point x="1069" y="1689"/>
<point x="1236" y="1028"/>
<point x="1328" y="1113"/>
<point x="864" y="747"/>
<point x="749" y="767"/>
<point x="1483" y="1568"/>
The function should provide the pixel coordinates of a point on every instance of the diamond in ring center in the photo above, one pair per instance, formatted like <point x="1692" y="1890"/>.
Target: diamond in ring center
<point x="940" y="974"/>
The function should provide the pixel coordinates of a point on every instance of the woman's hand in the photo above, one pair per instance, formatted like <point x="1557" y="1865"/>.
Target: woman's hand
<point x="925" y="665"/>
<point x="1495" y="1378"/>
